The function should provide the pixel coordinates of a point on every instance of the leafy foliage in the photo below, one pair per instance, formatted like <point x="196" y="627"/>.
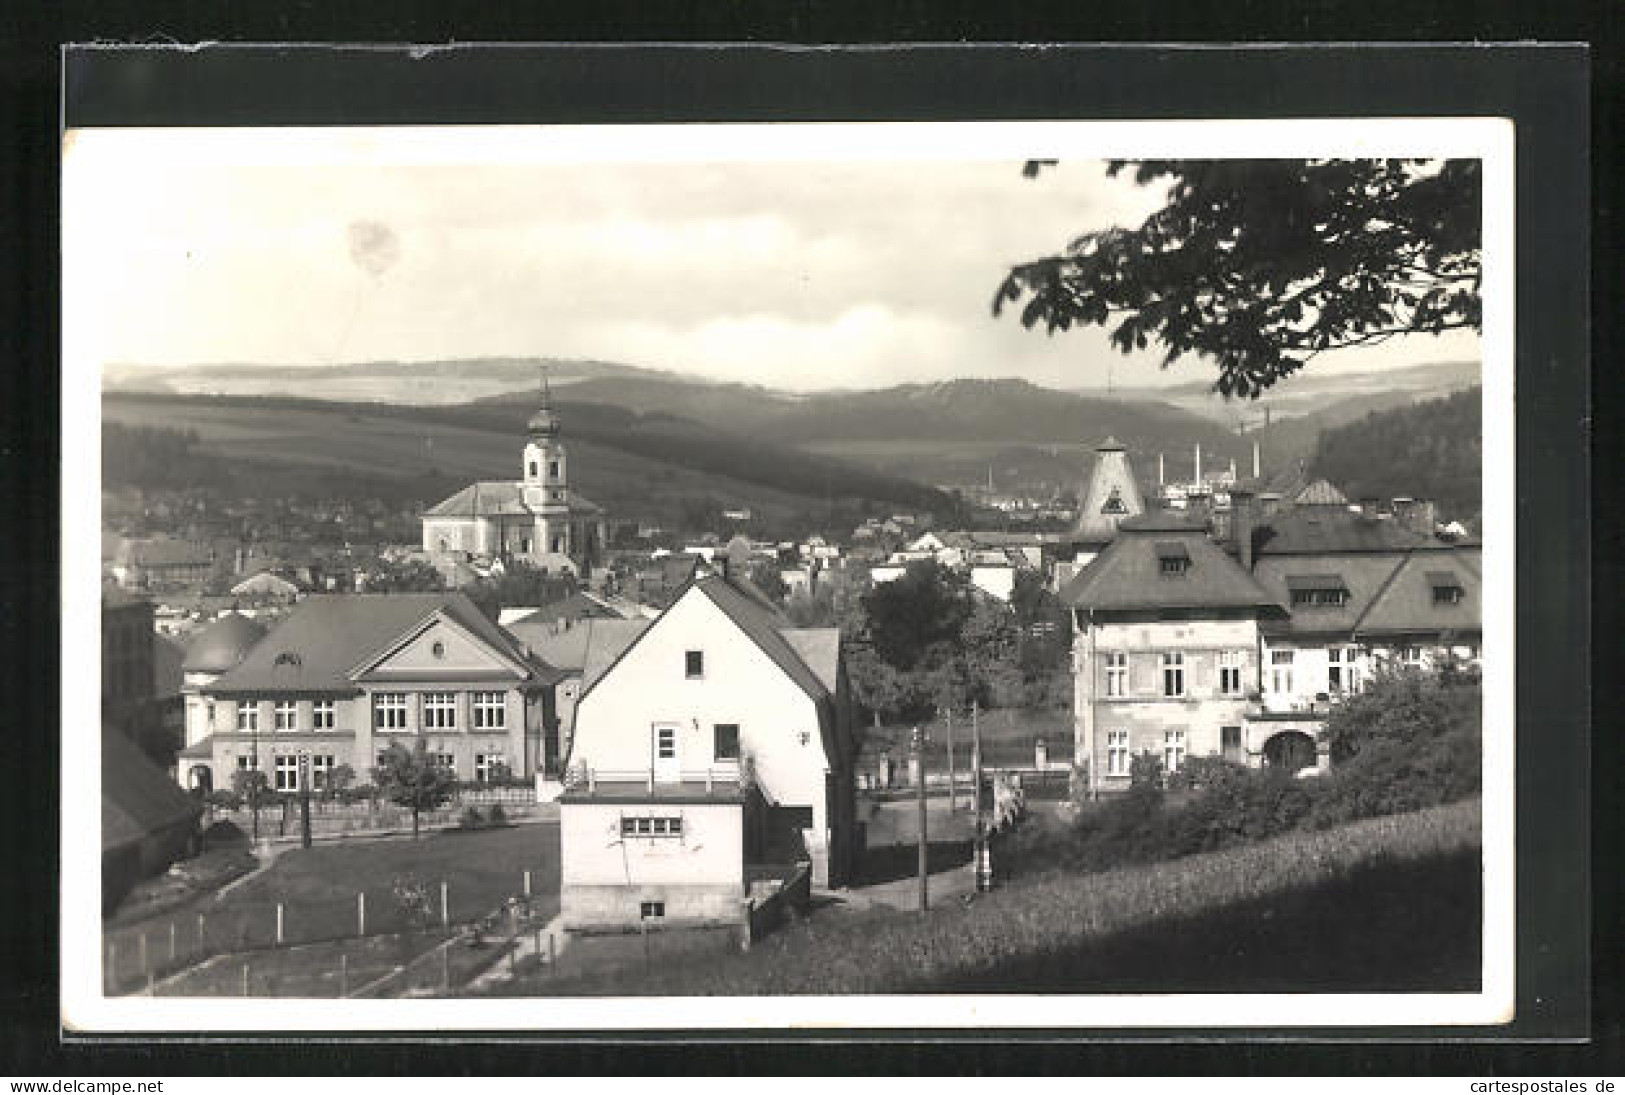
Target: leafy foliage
<point x="1259" y="265"/>
<point x="411" y="779"/>
<point x="1431" y="450"/>
<point x="409" y="576"/>
<point x="765" y="577"/>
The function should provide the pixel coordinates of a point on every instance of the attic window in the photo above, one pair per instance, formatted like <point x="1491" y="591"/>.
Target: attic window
<point x="1114" y="503"/>
<point x="1173" y="560"/>
<point x="1317" y="591"/>
<point x="1446" y="587"/>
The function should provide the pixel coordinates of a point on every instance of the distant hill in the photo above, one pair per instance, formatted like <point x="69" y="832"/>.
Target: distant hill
<point x="658" y="467"/>
<point x="1433" y="449"/>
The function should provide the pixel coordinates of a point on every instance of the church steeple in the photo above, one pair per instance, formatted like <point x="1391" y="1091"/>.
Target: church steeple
<point x="545" y="422"/>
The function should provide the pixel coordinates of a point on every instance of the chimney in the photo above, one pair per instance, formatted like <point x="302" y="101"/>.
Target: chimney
<point x="1417" y="514"/>
<point x="1242" y="518"/>
<point x="1197" y="477"/>
<point x="1256" y="471"/>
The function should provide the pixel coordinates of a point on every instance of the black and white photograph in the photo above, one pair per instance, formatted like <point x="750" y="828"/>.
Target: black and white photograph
<point x="1004" y="573"/>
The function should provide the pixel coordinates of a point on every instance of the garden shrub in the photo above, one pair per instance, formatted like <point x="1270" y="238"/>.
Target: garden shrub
<point x="471" y="819"/>
<point x="497" y="815"/>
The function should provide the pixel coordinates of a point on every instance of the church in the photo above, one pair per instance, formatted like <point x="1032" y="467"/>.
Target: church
<point x="537" y="519"/>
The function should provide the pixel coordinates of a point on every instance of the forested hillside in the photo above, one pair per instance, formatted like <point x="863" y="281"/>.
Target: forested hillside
<point x="1429" y="450"/>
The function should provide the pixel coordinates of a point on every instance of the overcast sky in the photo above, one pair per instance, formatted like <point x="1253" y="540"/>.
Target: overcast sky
<point x="794" y="275"/>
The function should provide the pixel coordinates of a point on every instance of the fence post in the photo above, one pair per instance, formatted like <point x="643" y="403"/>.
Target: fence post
<point x="172" y="941"/>
<point x="279" y="923"/>
<point x="361" y="913"/>
<point x="150" y="986"/>
<point x="144" y="966"/>
<point x="527" y="883"/>
<point x="344" y="974"/>
<point x="445" y="905"/>
<point x="552" y="953"/>
<point x="245" y="978"/>
<point x="112" y="965"/>
<point x="202" y="934"/>
<point x="445" y="966"/>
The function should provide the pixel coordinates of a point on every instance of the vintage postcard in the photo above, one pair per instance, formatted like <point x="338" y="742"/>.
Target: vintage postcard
<point x="794" y="576"/>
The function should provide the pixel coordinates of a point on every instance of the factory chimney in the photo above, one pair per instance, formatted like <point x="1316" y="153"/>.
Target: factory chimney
<point x="1256" y="472"/>
<point x="1160" y="479"/>
<point x="1197" y="478"/>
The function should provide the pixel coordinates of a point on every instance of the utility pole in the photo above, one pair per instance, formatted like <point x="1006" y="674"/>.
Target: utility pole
<point x="953" y="791"/>
<point x="984" y="869"/>
<point x="919" y="791"/>
<point x="304" y="798"/>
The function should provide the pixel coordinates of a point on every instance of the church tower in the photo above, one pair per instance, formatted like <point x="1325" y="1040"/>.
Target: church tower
<point x="1110" y="496"/>
<point x="546" y="486"/>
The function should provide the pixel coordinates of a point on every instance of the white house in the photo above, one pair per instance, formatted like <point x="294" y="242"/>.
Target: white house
<point x="715" y="739"/>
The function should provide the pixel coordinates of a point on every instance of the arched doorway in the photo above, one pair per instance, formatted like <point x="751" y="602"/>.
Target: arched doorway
<point x="200" y="778"/>
<point x="1290" y="750"/>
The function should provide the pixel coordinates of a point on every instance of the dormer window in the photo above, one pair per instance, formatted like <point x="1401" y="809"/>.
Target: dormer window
<point x="1173" y="559"/>
<point x="1114" y="503"/>
<point x="1446" y="587"/>
<point x="1317" y="591"/>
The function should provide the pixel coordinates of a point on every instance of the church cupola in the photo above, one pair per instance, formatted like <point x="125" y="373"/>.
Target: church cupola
<point x="545" y="478"/>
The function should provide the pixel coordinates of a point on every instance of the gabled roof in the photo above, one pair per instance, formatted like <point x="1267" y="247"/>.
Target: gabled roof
<point x="500" y="498"/>
<point x="318" y="645"/>
<point x="820" y="648"/>
<point x="1320" y="493"/>
<point x="1404" y="606"/>
<point x="1128" y="574"/>
<point x="266" y="582"/>
<point x="1318" y="530"/>
<point x="137" y="798"/>
<point x="577" y="606"/>
<point x="562" y="646"/>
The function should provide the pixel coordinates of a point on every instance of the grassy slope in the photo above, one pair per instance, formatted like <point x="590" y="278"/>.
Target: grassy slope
<point x="1387" y="904"/>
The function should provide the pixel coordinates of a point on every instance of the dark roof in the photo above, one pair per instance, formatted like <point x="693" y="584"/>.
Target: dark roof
<point x="1163" y="520"/>
<point x="499" y="497"/>
<point x="223" y="644"/>
<point x="1404" y="606"/>
<point x="1317" y="530"/>
<point x="138" y="799"/>
<point x="322" y="641"/>
<point x="607" y="640"/>
<point x="577" y="606"/>
<point x="1363" y="574"/>
<point x="167" y="553"/>
<point x="167" y="658"/>
<point x="1128" y="575"/>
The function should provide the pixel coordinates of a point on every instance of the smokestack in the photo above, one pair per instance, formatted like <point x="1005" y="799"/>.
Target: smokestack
<point x="1256" y="472"/>
<point x="1197" y="478"/>
<point x="1242" y="518"/>
<point x="1160" y="480"/>
<point x="1232" y="469"/>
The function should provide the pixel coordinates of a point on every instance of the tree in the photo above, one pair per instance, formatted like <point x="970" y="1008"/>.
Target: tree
<point x="908" y="616"/>
<point x="765" y="577"/>
<point x="411" y="576"/>
<point x="411" y="779"/>
<point x="1260" y="265"/>
<point x="251" y="787"/>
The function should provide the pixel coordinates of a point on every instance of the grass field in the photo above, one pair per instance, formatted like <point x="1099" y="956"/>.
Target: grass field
<point x="1390" y="904"/>
<point x="318" y="887"/>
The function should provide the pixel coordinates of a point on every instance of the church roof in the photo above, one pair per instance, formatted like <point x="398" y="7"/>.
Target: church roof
<point x="501" y="498"/>
<point x="1109" y="496"/>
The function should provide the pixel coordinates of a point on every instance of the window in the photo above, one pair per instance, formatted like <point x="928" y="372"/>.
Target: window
<point x="1335" y="678"/>
<point x="321" y="766"/>
<point x="248" y="715"/>
<point x="665" y="743"/>
<point x="652" y="910"/>
<point x="440" y="710"/>
<point x="1447" y="595"/>
<point x="1116" y="673"/>
<point x="1173" y="673"/>
<point x="552" y="469"/>
<point x="245" y="763"/>
<point x="208" y="712"/>
<point x="1230" y="742"/>
<point x="389" y="711"/>
<point x="446" y="761"/>
<point x="726" y="739"/>
<point x="1173" y="750"/>
<point x="1173" y="558"/>
<point x="1230" y="672"/>
<point x="694" y="664"/>
<point x="1114" y="503"/>
<point x="1117" y="752"/>
<point x="287" y="715"/>
<point x="488" y="766"/>
<point x="321" y="714"/>
<point x="1281" y="670"/>
<point x="1411" y="656"/>
<point x="287" y="773"/>
<point x="490" y="711"/>
<point x="651" y="827"/>
<point x="533" y="469"/>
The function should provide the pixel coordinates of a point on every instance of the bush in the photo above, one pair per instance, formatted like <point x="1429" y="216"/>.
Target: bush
<point x="223" y="834"/>
<point x="471" y="819"/>
<point x="497" y="815"/>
